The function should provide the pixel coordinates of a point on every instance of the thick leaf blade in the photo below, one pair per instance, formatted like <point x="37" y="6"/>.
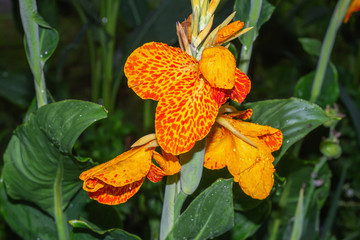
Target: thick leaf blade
<point x="39" y="146"/>
<point x="208" y="215"/>
<point x="294" y="117"/>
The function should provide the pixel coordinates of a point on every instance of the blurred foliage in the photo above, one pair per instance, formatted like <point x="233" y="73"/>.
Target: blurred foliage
<point x="284" y="57"/>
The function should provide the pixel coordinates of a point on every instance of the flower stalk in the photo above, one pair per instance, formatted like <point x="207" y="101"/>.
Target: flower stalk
<point x="327" y="46"/>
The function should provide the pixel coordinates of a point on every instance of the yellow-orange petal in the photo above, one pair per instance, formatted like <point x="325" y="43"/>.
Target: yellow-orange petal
<point x="218" y="66"/>
<point x="241" y="88"/>
<point x="154" y="68"/>
<point x="185" y="115"/>
<point x="131" y="166"/>
<point x="252" y="167"/>
<point x="218" y="148"/>
<point x="168" y="162"/>
<point x="155" y="174"/>
<point x="188" y="26"/>
<point x="270" y="136"/>
<point x="111" y="195"/>
<point x="228" y="31"/>
<point x="243" y="115"/>
<point x="354" y="7"/>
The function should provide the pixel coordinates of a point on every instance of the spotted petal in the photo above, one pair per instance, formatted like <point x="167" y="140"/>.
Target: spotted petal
<point x="184" y="116"/>
<point x="241" y="88"/>
<point x="155" y="67"/>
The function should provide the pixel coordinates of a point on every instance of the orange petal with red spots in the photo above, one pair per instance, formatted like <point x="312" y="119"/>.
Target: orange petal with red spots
<point x="271" y="137"/>
<point x="111" y="195"/>
<point x="185" y="115"/>
<point x="168" y="162"/>
<point x="155" y="67"/>
<point x="218" y="66"/>
<point x="354" y="7"/>
<point x="131" y="166"/>
<point x="241" y="88"/>
<point x="218" y="145"/>
<point x="243" y="115"/>
<point x="228" y="31"/>
<point x="155" y="174"/>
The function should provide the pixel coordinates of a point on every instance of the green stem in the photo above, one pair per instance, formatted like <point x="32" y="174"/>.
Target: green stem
<point x="327" y="46"/>
<point x="168" y="211"/>
<point x="109" y="10"/>
<point x="246" y="51"/>
<point x="31" y="28"/>
<point x="62" y="230"/>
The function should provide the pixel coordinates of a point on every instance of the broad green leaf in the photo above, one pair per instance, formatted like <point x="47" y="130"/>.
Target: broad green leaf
<point x="294" y="117"/>
<point x="191" y="168"/>
<point x="38" y="163"/>
<point x="17" y="88"/>
<point x="247" y="223"/>
<point x="209" y="215"/>
<point x="311" y="46"/>
<point x="94" y="232"/>
<point x="329" y="90"/>
<point x="28" y="221"/>
<point x="253" y="14"/>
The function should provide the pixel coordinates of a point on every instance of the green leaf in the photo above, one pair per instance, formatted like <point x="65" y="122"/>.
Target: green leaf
<point x="294" y="117"/>
<point x="299" y="217"/>
<point x="329" y="91"/>
<point x="247" y="223"/>
<point x="208" y="215"/>
<point x="28" y="221"/>
<point x="311" y="46"/>
<point x="252" y="18"/>
<point x="99" y="233"/>
<point x="191" y="168"/>
<point x="48" y="37"/>
<point x="41" y="147"/>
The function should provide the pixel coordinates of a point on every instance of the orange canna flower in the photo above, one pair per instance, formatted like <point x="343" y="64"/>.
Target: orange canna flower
<point x="189" y="92"/>
<point x="114" y="182"/>
<point x="354" y="7"/>
<point x="249" y="162"/>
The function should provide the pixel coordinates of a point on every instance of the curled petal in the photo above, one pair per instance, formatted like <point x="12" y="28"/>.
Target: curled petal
<point x="243" y="115"/>
<point x="126" y="168"/>
<point x="168" y="162"/>
<point x="154" y="68"/>
<point x="354" y="7"/>
<point x="241" y="88"/>
<point x="155" y="174"/>
<point x="185" y="115"/>
<point x="218" y="66"/>
<point x="111" y="195"/>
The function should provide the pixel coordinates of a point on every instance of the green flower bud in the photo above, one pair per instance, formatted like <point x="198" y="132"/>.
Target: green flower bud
<point x="330" y="149"/>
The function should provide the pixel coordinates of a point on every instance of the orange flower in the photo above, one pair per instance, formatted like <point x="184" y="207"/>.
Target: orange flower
<point x="354" y="7"/>
<point x="189" y="92"/>
<point x="249" y="161"/>
<point x="114" y="182"/>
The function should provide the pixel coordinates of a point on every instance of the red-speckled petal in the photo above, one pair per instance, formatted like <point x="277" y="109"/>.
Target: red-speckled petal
<point x="184" y="116"/>
<point x="111" y="195"/>
<point x="155" y="174"/>
<point x="168" y="162"/>
<point x="241" y="88"/>
<point x="155" y="67"/>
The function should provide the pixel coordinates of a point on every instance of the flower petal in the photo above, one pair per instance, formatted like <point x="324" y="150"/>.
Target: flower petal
<point x="115" y="195"/>
<point x="168" y="162"/>
<point x="354" y="7"/>
<point x="184" y="116"/>
<point x="155" y="67"/>
<point x="218" y="66"/>
<point x="131" y="166"/>
<point x="155" y="174"/>
<point x="270" y="136"/>
<point x="218" y="145"/>
<point x="252" y="168"/>
<point x="242" y="86"/>
<point x="228" y="31"/>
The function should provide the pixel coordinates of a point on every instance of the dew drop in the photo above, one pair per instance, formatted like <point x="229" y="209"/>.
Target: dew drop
<point x="104" y="20"/>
